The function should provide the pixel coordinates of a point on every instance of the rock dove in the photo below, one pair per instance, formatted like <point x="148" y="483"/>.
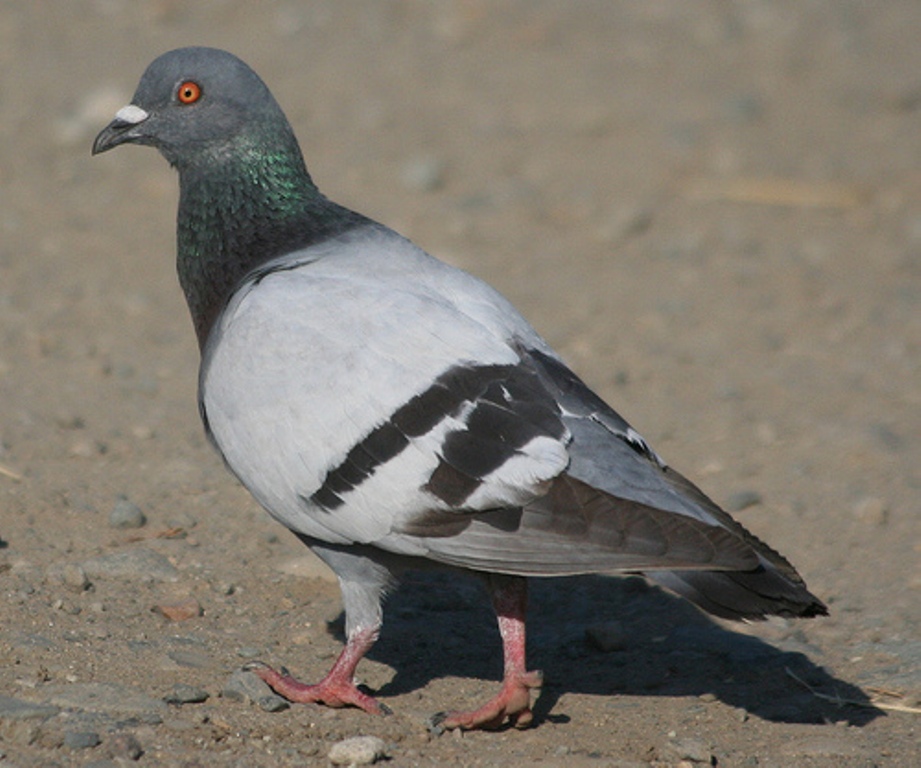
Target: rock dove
<point x="395" y="412"/>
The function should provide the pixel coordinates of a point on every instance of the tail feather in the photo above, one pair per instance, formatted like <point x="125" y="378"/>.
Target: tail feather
<point x="753" y="594"/>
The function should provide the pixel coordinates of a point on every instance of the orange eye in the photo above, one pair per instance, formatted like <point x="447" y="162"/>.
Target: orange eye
<point x="189" y="92"/>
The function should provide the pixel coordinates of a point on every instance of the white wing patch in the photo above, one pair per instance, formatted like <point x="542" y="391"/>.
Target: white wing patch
<point x="523" y="477"/>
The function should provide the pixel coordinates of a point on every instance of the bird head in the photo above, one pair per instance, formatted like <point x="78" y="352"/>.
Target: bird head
<point x="192" y="103"/>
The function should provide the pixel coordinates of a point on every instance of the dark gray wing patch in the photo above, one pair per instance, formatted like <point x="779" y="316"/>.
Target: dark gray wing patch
<point x="501" y="407"/>
<point x="512" y="409"/>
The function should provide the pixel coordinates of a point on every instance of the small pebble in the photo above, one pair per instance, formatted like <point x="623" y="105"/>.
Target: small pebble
<point x="126" y="514"/>
<point x="125" y="745"/>
<point x="423" y="174"/>
<point x="75" y="577"/>
<point x="181" y="609"/>
<point x="359" y="750"/>
<point x="690" y="750"/>
<point x="743" y="500"/>
<point x="181" y="519"/>
<point x="245" y="685"/>
<point x="85" y="449"/>
<point x="142" y="432"/>
<point x="71" y="575"/>
<point x="272" y="703"/>
<point x="872" y="511"/>
<point x="81" y="739"/>
<point x="707" y="697"/>
<point x="624" y="224"/>
<point x="183" y="693"/>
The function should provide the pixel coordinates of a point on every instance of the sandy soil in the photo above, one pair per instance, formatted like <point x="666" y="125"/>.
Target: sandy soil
<point x="712" y="209"/>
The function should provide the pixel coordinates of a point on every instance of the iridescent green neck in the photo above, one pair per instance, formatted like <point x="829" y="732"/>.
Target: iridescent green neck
<point x="240" y="206"/>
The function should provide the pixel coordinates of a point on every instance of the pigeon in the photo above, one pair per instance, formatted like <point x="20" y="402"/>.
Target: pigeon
<point x="397" y="413"/>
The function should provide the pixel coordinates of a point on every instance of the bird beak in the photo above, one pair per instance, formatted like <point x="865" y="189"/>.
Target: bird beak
<point x="121" y="130"/>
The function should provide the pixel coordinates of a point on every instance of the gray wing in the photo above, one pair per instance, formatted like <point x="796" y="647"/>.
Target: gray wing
<point x="570" y="523"/>
<point x="616" y="507"/>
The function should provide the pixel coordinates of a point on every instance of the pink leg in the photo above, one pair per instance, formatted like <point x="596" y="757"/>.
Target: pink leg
<point x="513" y="703"/>
<point x="338" y="688"/>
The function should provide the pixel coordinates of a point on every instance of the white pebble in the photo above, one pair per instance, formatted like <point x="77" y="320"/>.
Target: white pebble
<point x="359" y="750"/>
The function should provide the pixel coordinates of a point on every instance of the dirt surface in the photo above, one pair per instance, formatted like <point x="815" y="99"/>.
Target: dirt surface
<point x="711" y="209"/>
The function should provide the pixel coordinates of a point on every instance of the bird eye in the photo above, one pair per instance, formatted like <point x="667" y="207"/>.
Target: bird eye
<point x="189" y="92"/>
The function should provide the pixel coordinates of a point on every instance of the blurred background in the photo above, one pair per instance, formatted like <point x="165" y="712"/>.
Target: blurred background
<point x="713" y="210"/>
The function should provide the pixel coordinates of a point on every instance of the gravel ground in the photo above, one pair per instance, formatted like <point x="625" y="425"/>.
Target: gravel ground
<point x="711" y="209"/>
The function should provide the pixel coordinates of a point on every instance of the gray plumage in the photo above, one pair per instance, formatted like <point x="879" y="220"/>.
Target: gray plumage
<point x="394" y="411"/>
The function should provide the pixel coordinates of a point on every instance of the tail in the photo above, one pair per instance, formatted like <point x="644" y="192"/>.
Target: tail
<point x="748" y="595"/>
<point x="773" y="588"/>
<point x="577" y="529"/>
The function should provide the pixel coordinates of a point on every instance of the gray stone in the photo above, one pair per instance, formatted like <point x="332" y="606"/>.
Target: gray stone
<point x="17" y="709"/>
<point x="75" y="577"/>
<point x="70" y="575"/>
<point x="81" y="739"/>
<point x="109" y="698"/>
<point x="31" y="641"/>
<point x="245" y="685"/>
<point x="181" y="519"/>
<point x="186" y="694"/>
<point x="136" y="563"/>
<point x="358" y="750"/>
<point x="126" y="514"/>
<point x="692" y="750"/>
<point x="272" y="703"/>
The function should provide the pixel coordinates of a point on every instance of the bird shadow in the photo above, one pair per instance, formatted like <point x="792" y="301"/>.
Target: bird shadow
<point x="608" y="636"/>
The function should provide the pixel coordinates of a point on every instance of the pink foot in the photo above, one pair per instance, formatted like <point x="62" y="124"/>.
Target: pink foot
<point x="333" y="691"/>
<point x="338" y="688"/>
<point x="512" y="705"/>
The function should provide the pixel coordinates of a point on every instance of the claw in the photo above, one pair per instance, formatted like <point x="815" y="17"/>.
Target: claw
<point x="435" y="723"/>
